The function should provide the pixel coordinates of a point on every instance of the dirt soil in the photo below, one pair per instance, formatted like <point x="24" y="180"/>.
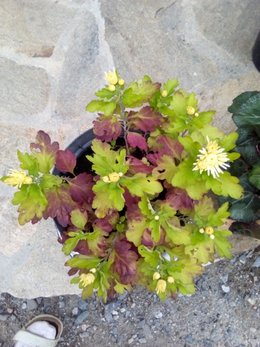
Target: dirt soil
<point x="224" y="312"/>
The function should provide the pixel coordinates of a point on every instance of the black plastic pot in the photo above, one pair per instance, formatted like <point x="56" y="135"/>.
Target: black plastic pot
<point x="81" y="147"/>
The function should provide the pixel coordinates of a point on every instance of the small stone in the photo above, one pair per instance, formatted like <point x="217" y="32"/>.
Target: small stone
<point x="83" y="305"/>
<point x="31" y="304"/>
<point x="61" y="304"/>
<point x="242" y="259"/>
<point x="158" y="315"/>
<point x="3" y="317"/>
<point x="133" y="305"/>
<point x="122" y="310"/>
<point x="251" y="301"/>
<point x="131" y="340"/>
<point x="84" y="327"/>
<point x="142" y="340"/>
<point x="253" y="330"/>
<point x="257" y="262"/>
<point x="10" y="310"/>
<point x="114" y="313"/>
<point x="224" y="278"/>
<point x="226" y="289"/>
<point x="24" y="305"/>
<point x="75" y="311"/>
<point x="81" y="318"/>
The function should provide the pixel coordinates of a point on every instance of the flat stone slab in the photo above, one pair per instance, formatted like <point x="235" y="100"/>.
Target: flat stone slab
<point x="53" y="56"/>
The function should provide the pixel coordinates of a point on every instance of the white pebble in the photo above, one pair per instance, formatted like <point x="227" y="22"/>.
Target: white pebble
<point x="158" y="315"/>
<point x="226" y="289"/>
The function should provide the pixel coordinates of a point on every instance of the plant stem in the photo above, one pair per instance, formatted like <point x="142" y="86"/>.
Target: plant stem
<point x="123" y="115"/>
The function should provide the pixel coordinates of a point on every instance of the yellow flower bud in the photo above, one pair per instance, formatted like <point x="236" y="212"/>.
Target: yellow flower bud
<point x="164" y="93"/>
<point x="161" y="286"/>
<point x="17" y="178"/>
<point x="170" y="279"/>
<point x="120" y="174"/>
<point x="209" y="230"/>
<point x="156" y="276"/>
<point x="86" y="279"/>
<point x="111" y="77"/>
<point x="93" y="270"/>
<point x="105" y="179"/>
<point x="121" y="82"/>
<point x="114" y="177"/>
<point x="196" y="114"/>
<point x="212" y="237"/>
<point x="156" y="217"/>
<point x="190" y="110"/>
<point x="201" y="230"/>
<point x="111" y="87"/>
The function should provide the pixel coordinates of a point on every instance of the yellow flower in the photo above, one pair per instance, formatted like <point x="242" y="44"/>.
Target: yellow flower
<point x="111" y="77"/>
<point x="156" y="217"/>
<point x="201" y="230"/>
<point x="209" y="230"/>
<point x="121" y="82"/>
<point x="212" y="237"/>
<point x="164" y="93"/>
<point x="86" y="279"/>
<point x="93" y="270"/>
<point x="105" y="179"/>
<point x="156" y="276"/>
<point x="111" y="87"/>
<point x="212" y="159"/>
<point x="114" y="177"/>
<point x="17" y="178"/>
<point x="190" y="110"/>
<point x="170" y="279"/>
<point x="160" y="286"/>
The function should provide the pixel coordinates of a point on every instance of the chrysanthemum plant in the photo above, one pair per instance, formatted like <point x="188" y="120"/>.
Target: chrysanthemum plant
<point x="143" y="210"/>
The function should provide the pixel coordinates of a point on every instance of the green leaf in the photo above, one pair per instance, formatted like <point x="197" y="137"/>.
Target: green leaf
<point x="189" y="180"/>
<point x="170" y="85"/>
<point x="105" y="160"/>
<point x="165" y="169"/>
<point x="225" y="185"/>
<point x="150" y="256"/>
<point x="135" y="231"/>
<point x="105" y="94"/>
<point x="229" y="141"/>
<point x="78" y="219"/>
<point x="222" y="244"/>
<point x="28" y="162"/>
<point x="240" y="100"/>
<point x="254" y="177"/>
<point x="248" y="113"/>
<point x="121" y="288"/>
<point x="102" y="106"/>
<point x="140" y="184"/>
<point x="32" y="203"/>
<point x="139" y="92"/>
<point x="108" y="196"/>
<point x="49" y="181"/>
<point x="83" y="262"/>
<point x="70" y="244"/>
<point x="178" y="235"/>
<point x="218" y="218"/>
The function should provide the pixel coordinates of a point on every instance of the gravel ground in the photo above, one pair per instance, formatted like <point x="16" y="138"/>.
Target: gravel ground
<point x="224" y="312"/>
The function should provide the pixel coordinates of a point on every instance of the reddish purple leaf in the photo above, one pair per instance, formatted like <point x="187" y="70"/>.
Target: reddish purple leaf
<point x="179" y="199"/>
<point x="136" y="140"/>
<point x="80" y="188"/>
<point x="60" y="204"/>
<point x="43" y="143"/>
<point x="137" y="165"/>
<point x="107" y="128"/>
<point x="125" y="263"/>
<point x="147" y="239"/>
<point x="66" y="161"/>
<point x="108" y="223"/>
<point x="154" y="158"/>
<point x="165" y="145"/>
<point x="132" y="209"/>
<point x="146" y="119"/>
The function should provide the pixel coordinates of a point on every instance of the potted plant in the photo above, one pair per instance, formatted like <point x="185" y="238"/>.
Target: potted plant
<point x="245" y="211"/>
<point x="134" y="197"/>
